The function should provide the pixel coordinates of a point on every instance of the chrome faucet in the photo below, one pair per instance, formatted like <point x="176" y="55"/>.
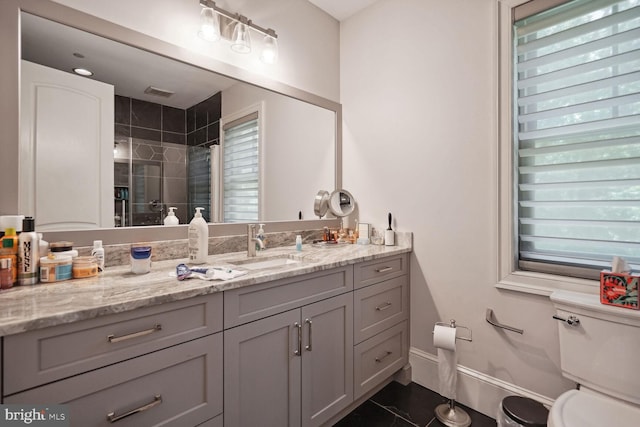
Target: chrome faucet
<point x="252" y="240"/>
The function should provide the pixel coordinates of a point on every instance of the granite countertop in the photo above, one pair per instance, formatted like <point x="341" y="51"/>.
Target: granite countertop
<point x="24" y="308"/>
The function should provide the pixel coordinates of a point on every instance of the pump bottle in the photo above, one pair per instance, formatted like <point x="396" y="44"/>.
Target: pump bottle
<point x="198" y="239"/>
<point x="171" y="218"/>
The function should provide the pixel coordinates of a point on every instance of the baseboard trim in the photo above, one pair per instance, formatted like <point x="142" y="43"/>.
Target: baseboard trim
<point x="476" y="390"/>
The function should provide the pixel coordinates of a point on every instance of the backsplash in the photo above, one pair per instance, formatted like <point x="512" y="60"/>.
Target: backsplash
<point x="175" y="249"/>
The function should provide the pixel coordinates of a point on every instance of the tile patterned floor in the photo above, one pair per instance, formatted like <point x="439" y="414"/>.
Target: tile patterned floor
<point x="404" y="406"/>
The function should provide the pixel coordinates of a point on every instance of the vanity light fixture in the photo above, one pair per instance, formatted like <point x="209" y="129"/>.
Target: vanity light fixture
<point x="217" y="23"/>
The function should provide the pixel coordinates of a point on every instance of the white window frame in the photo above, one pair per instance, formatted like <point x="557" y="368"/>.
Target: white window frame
<point x="262" y="143"/>
<point x="509" y="276"/>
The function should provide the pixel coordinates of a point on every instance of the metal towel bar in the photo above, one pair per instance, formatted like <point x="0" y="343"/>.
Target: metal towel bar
<point x="490" y="319"/>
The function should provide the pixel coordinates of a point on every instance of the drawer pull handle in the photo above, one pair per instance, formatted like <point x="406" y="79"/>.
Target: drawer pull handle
<point x="112" y="417"/>
<point x="384" y="306"/>
<point x="384" y="269"/>
<point x="298" y="350"/>
<point x="308" y="322"/>
<point x="113" y="339"/>
<point x="381" y="358"/>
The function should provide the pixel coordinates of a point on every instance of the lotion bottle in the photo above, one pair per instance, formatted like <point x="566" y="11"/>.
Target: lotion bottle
<point x="28" y="253"/>
<point x="198" y="239"/>
<point x="171" y="218"/>
<point x="98" y="253"/>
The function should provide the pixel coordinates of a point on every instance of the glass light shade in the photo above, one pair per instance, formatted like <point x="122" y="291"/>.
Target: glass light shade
<point x="209" y="25"/>
<point x="270" y="50"/>
<point x="241" y="40"/>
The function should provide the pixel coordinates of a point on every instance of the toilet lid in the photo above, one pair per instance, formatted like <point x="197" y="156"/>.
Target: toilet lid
<point x="582" y="409"/>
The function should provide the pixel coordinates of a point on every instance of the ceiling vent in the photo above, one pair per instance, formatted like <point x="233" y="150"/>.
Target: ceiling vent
<point x="158" y="92"/>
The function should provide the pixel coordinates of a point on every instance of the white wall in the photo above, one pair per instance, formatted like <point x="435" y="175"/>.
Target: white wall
<point x="418" y="81"/>
<point x="308" y="39"/>
<point x="292" y="130"/>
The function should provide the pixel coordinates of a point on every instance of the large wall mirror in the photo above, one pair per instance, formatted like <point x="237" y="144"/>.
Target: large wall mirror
<point x="170" y="112"/>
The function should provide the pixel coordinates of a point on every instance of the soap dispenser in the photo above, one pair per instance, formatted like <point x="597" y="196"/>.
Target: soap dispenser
<point x="198" y="239"/>
<point x="171" y="218"/>
<point x="261" y="237"/>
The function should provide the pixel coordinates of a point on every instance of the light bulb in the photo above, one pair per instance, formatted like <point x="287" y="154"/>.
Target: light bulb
<point x="270" y="50"/>
<point x="209" y="25"/>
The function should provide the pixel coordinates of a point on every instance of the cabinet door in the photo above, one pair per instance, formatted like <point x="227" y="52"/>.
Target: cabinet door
<point x="327" y="359"/>
<point x="262" y="373"/>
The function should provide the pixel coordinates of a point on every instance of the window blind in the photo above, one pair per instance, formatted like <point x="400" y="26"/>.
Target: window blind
<point x="577" y="136"/>
<point x="241" y="177"/>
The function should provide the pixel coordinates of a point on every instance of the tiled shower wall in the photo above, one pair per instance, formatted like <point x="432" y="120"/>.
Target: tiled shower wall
<point x="203" y="131"/>
<point x="179" y="140"/>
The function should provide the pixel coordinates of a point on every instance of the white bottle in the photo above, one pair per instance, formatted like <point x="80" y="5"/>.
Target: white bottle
<point x="171" y="218"/>
<point x="198" y="239"/>
<point x="298" y="243"/>
<point x="28" y="254"/>
<point x="98" y="252"/>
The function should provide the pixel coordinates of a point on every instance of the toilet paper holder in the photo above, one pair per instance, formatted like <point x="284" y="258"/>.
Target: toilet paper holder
<point x="452" y="324"/>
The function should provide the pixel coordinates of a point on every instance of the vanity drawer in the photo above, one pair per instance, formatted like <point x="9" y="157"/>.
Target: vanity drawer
<point x="378" y="270"/>
<point x="178" y="386"/>
<point x="379" y="357"/>
<point x="380" y="306"/>
<point x="251" y="303"/>
<point x="51" y="354"/>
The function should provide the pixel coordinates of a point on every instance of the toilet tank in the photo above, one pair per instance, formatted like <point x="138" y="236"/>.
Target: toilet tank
<point x="602" y="352"/>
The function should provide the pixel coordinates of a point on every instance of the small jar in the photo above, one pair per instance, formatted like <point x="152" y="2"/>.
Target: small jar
<point x="59" y="249"/>
<point x="140" y="259"/>
<point x="85" y="266"/>
<point x="55" y="268"/>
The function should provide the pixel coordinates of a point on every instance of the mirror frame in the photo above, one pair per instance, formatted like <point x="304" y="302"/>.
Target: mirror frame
<point x="10" y="113"/>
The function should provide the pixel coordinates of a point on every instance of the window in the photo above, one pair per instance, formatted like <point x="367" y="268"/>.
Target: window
<point x="241" y="170"/>
<point x="575" y="136"/>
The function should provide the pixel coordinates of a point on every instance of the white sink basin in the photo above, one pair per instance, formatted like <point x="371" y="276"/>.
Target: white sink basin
<point x="264" y="263"/>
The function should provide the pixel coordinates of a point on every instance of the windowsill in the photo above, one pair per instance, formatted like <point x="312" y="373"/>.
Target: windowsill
<point x="545" y="284"/>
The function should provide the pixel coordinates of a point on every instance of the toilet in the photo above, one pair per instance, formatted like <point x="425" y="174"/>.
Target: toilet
<point x="599" y="350"/>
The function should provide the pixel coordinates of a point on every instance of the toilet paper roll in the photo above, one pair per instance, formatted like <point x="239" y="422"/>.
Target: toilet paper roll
<point x="444" y="337"/>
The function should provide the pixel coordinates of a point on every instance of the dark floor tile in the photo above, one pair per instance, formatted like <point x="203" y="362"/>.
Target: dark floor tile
<point x="412" y="402"/>
<point x="371" y="415"/>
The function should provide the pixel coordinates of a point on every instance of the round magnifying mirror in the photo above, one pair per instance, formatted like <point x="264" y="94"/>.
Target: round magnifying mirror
<point x="341" y="203"/>
<point x="321" y="203"/>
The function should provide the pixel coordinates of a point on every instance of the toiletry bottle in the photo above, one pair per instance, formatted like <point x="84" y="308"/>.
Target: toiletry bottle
<point x="171" y="218"/>
<point x="299" y="243"/>
<point x="260" y="235"/>
<point x="9" y="250"/>
<point x="44" y="245"/>
<point x="6" y="274"/>
<point x="198" y="239"/>
<point x="98" y="253"/>
<point x="28" y="253"/>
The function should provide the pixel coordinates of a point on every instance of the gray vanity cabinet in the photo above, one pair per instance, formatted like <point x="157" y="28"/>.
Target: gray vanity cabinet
<point x="160" y="365"/>
<point x="381" y="311"/>
<point x="294" y="368"/>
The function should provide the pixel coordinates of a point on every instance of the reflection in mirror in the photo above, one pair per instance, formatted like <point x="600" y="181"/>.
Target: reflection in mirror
<point x="341" y="203"/>
<point x="166" y="119"/>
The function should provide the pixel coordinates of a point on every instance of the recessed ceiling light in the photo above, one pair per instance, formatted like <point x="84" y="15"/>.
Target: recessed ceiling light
<point x="83" y="72"/>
